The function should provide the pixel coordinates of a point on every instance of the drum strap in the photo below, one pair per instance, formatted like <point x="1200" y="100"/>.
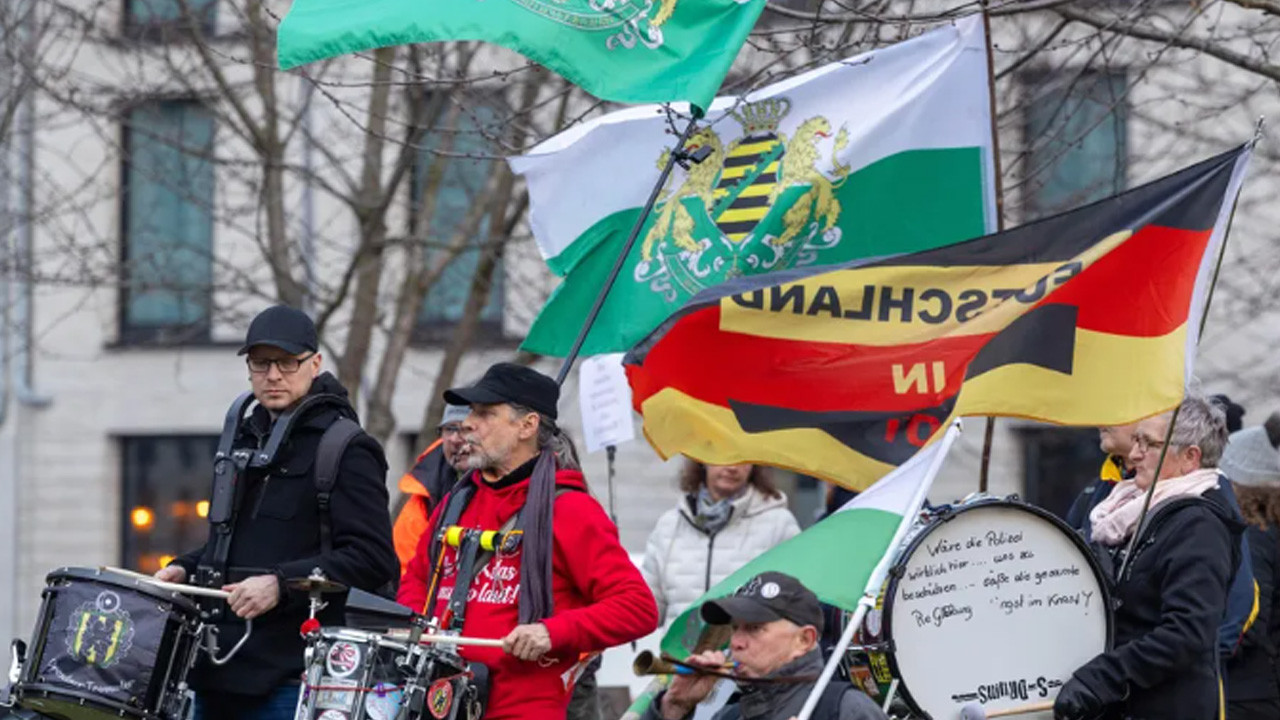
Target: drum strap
<point x="471" y="558"/>
<point x="230" y="465"/>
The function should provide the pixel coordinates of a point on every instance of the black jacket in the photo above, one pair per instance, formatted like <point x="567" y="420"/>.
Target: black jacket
<point x="1251" y="674"/>
<point x="1169" y="605"/>
<point x="277" y="531"/>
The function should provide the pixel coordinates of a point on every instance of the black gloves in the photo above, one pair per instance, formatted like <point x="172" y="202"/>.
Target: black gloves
<point x="1076" y="702"/>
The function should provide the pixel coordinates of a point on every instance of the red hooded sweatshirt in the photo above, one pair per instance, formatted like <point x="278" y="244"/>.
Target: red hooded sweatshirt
<point x="600" y="598"/>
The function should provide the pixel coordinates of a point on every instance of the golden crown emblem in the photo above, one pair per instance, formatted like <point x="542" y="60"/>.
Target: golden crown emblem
<point x="762" y="117"/>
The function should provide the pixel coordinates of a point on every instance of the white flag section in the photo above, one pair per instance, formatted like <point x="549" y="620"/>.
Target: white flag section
<point x="861" y="534"/>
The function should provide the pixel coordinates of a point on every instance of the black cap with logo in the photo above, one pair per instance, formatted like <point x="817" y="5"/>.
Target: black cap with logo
<point x="284" y="327"/>
<point x="764" y="598"/>
<point x="510" y="383"/>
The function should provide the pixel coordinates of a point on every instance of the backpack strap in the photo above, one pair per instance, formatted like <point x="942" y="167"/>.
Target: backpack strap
<point x="333" y="444"/>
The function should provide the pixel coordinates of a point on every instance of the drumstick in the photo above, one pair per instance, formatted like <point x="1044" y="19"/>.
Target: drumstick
<point x="458" y="640"/>
<point x="974" y="711"/>
<point x="172" y="587"/>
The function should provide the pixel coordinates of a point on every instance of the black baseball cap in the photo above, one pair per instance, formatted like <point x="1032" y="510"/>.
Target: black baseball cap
<point x="510" y="383"/>
<point x="284" y="327"/>
<point x="764" y="598"/>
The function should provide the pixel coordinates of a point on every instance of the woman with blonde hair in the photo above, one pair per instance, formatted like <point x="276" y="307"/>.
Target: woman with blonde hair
<point x="726" y="516"/>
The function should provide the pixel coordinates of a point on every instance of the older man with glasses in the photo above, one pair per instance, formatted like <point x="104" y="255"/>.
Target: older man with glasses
<point x="433" y="474"/>
<point x="279" y="527"/>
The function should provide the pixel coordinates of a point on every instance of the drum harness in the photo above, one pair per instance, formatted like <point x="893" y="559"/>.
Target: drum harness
<point x="230" y="465"/>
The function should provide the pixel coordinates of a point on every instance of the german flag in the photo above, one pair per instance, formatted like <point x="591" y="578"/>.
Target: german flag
<point x="1086" y="318"/>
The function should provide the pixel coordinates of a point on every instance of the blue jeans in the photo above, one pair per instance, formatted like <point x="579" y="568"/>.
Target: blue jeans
<point x="281" y="704"/>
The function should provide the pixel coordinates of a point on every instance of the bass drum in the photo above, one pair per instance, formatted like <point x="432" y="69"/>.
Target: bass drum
<point x="995" y="602"/>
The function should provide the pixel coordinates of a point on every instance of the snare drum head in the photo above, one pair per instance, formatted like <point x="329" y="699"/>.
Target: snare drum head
<point x="100" y="642"/>
<point x="998" y="605"/>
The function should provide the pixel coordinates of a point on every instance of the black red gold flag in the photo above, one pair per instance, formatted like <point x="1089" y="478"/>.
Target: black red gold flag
<point x="1090" y="317"/>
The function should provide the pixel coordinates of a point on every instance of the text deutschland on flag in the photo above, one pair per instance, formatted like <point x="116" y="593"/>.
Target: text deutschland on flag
<point x="626" y="51"/>
<point x="861" y="531"/>
<point x="1086" y="318"/>
<point x="884" y="153"/>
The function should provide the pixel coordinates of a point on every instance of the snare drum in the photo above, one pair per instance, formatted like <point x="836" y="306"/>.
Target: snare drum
<point x="109" y="646"/>
<point x="994" y="602"/>
<point x="352" y="675"/>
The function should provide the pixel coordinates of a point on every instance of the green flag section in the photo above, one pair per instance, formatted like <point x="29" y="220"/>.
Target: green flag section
<point x="837" y="557"/>
<point x="887" y="152"/>
<point x="628" y="51"/>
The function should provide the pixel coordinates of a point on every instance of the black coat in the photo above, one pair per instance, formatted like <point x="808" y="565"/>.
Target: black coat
<point x="277" y="531"/>
<point x="1169" y="605"/>
<point x="1251" y="674"/>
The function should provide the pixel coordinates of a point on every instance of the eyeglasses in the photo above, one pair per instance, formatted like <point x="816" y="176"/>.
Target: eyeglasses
<point x="286" y="365"/>
<point x="450" y="429"/>
<point x="1146" y="444"/>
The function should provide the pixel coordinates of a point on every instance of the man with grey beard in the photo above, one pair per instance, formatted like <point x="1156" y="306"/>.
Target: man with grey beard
<point x="552" y="581"/>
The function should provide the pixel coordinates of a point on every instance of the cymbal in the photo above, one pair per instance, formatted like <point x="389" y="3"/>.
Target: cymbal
<point x="314" y="584"/>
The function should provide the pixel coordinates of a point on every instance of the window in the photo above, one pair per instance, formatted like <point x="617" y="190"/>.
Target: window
<point x="165" y="497"/>
<point x="1057" y="464"/>
<point x="167" y="20"/>
<point x="1076" y="139"/>
<point x="167" y="263"/>
<point x="461" y="182"/>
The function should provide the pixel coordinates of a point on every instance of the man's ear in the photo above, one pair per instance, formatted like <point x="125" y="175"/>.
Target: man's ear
<point x="808" y="636"/>
<point x="529" y="426"/>
<point x="316" y="361"/>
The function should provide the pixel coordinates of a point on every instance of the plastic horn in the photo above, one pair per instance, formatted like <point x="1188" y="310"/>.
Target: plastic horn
<point x="646" y="663"/>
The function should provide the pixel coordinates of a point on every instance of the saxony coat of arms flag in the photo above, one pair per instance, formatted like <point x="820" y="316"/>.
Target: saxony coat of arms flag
<point x="883" y="153"/>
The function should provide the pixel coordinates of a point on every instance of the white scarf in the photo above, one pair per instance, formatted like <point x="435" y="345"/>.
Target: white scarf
<point x="1115" y="519"/>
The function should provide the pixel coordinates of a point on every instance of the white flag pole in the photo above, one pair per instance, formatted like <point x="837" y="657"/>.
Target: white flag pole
<point x="881" y="571"/>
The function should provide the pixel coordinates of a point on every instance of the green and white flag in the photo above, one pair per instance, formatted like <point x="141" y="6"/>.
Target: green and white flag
<point x="838" y="557"/>
<point x="883" y="153"/>
<point x="629" y="51"/>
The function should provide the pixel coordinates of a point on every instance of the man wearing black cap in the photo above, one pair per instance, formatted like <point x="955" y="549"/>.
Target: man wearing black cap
<point x="776" y="624"/>
<point x="557" y="585"/>
<point x="275" y="525"/>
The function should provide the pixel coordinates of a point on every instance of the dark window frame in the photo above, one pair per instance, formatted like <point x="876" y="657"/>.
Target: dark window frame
<point x="131" y="494"/>
<point x="1044" y="85"/>
<point x="177" y="30"/>
<point x="434" y="332"/>
<point x="128" y="334"/>
<point x="1041" y="444"/>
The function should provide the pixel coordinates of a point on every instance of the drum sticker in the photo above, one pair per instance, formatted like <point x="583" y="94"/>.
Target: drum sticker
<point x="383" y="701"/>
<point x="100" y="632"/>
<point x="336" y="694"/>
<point x="343" y="659"/>
<point x="440" y="698"/>
<point x="331" y="715"/>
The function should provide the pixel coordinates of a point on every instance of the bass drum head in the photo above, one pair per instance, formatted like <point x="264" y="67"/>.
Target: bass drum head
<point x="996" y="603"/>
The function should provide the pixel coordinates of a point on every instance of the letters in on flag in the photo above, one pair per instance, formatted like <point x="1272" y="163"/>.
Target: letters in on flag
<point x="629" y="51"/>
<point x="1086" y="318"/>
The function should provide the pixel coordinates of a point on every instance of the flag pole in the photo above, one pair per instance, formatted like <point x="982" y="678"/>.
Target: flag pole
<point x="880" y="572"/>
<point x="990" y="432"/>
<point x="1204" y="318"/>
<point x="677" y="155"/>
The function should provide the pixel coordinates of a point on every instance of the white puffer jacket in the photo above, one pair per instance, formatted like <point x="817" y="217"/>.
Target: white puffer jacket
<point x="681" y="561"/>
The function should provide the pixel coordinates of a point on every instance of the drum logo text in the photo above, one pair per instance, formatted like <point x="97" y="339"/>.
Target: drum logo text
<point x="100" y="633"/>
